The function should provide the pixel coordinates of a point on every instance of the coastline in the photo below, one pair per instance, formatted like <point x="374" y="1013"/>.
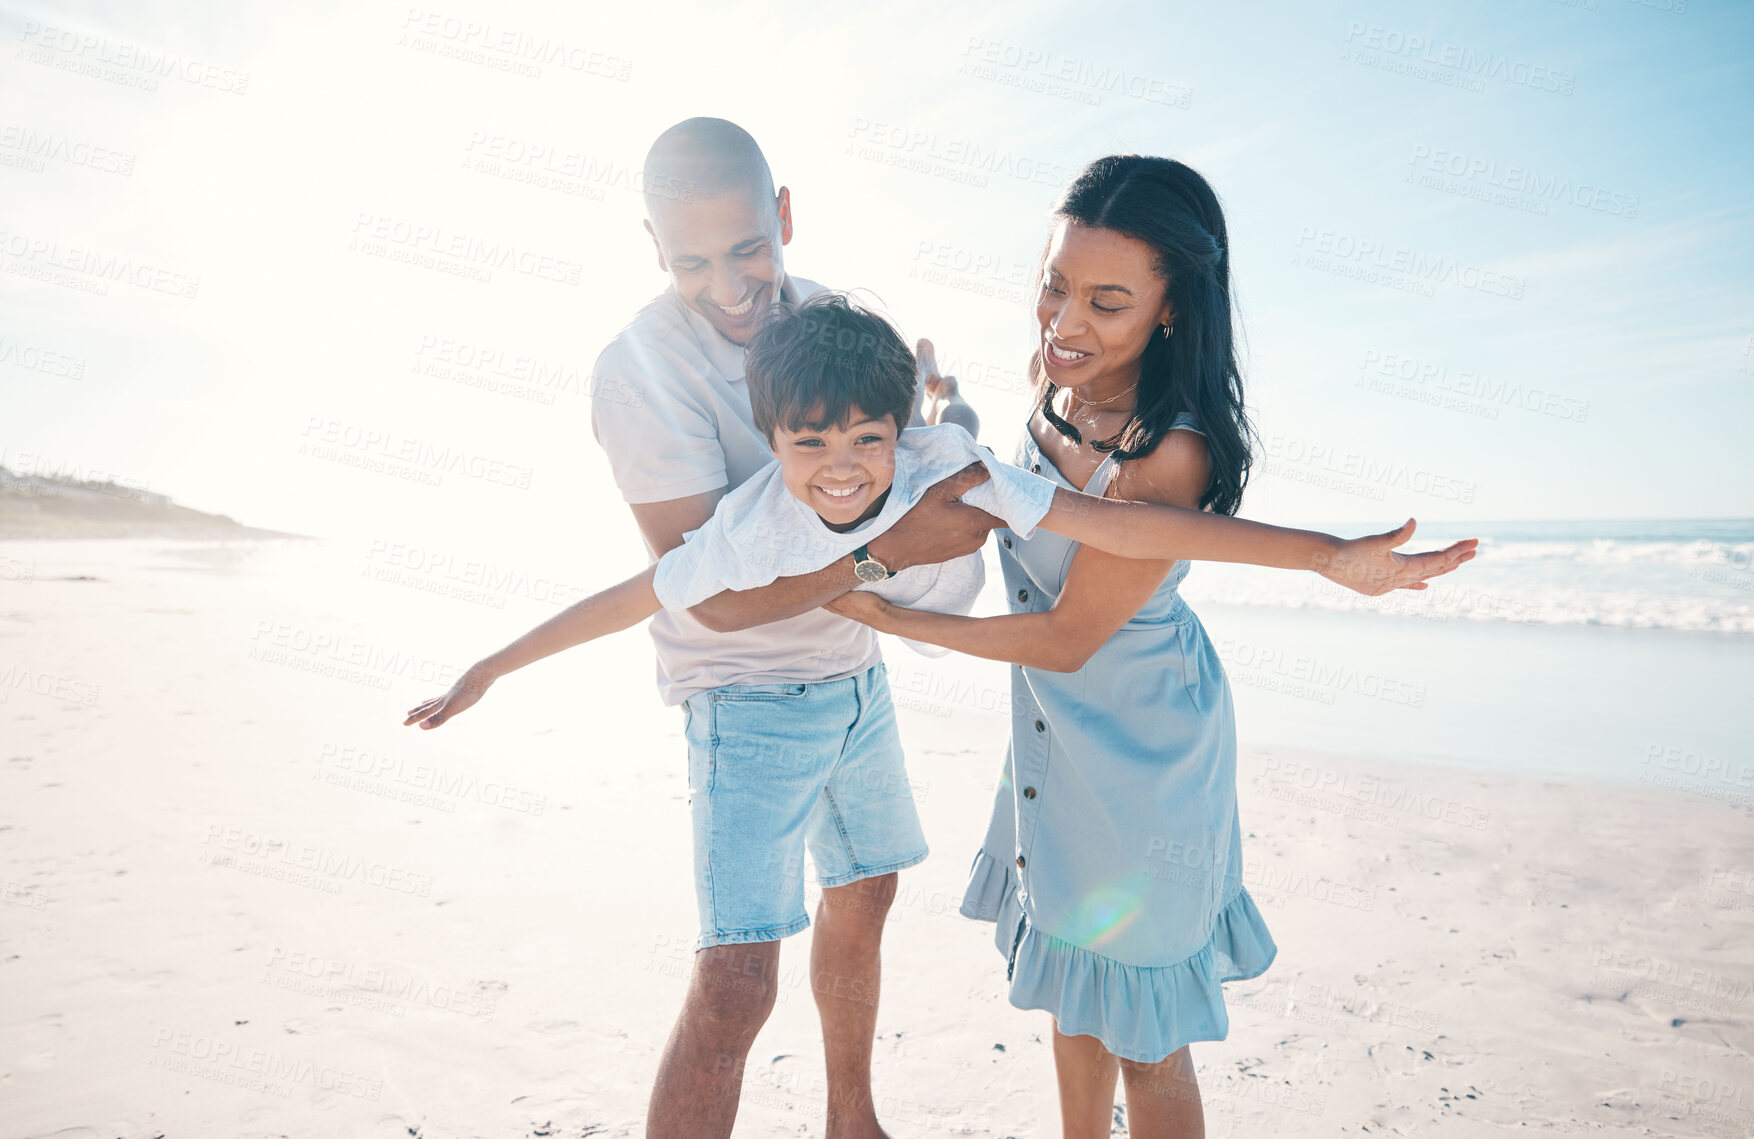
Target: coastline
<point x="337" y="925"/>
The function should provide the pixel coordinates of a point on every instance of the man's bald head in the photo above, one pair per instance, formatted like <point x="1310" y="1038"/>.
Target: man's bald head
<point x="705" y="158"/>
<point x="717" y="223"/>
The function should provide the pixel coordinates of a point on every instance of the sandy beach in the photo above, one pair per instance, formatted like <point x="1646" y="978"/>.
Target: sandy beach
<point x="241" y="900"/>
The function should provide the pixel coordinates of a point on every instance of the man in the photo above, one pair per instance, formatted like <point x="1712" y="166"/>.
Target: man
<point x="719" y="227"/>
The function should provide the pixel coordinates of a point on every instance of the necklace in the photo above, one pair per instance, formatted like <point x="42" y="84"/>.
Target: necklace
<point x="1082" y="402"/>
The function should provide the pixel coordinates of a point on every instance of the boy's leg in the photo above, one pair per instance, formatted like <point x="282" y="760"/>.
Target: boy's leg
<point x="730" y="994"/>
<point x="864" y="830"/>
<point x="845" y="974"/>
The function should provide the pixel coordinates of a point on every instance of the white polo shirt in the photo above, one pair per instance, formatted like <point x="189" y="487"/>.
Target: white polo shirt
<point x="671" y="410"/>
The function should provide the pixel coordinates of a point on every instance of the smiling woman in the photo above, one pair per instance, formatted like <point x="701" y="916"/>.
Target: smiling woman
<point x="1112" y="866"/>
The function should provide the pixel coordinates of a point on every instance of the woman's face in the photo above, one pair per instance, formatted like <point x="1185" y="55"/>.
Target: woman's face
<point x="1099" y="306"/>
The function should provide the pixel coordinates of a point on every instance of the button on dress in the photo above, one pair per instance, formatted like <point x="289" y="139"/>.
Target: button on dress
<point x="1113" y="863"/>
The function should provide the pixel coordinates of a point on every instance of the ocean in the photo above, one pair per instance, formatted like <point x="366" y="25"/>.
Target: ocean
<point x="1693" y="575"/>
<point x="1576" y="650"/>
<point x="1586" y="651"/>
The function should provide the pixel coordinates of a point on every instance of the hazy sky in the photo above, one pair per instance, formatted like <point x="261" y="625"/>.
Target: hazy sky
<point x="1493" y="259"/>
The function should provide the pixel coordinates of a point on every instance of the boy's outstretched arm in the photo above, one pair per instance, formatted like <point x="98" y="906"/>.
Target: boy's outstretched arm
<point x="614" y="609"/>
<point x="1368" y="565"/>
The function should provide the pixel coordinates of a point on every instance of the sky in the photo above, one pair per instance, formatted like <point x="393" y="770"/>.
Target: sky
<point x="1493" y="260"/>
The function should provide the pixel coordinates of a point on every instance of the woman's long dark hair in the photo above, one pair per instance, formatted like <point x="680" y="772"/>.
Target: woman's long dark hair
<point x="1169" y="207"/>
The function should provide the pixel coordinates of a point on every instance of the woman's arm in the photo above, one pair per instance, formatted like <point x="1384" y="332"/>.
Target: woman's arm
<point x="614" y="609"/>
<point x="1102" y="592"/>
<point x="1368" y="565"/>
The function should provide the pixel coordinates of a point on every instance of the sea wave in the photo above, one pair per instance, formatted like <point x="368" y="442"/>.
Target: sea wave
<point x="1614" y="551"/>
<point x="1654" y="580"/>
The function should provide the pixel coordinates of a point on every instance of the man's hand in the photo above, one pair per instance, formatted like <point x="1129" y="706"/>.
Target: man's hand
<point x="1372" y="567"/>
<point x="939" y="527"/>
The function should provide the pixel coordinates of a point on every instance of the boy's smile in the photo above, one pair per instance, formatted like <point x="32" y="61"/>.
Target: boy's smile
<point x="843" y="473"/>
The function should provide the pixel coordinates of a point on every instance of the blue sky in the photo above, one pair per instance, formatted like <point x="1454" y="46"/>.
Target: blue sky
<point x="1493" y="260"/>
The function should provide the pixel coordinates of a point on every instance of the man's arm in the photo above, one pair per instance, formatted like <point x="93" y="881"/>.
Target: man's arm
<point x="938" y="528"/>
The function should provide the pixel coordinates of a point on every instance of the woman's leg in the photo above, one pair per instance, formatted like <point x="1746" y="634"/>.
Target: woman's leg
<point x="1086" y="1072"/>
<point x="1163" y="1099"/>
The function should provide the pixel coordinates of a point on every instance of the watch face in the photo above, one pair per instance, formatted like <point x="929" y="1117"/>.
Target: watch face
<point x="870" y="570"/>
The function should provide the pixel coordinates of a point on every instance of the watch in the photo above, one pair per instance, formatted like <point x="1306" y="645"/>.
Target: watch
<point x="867" y="567"/>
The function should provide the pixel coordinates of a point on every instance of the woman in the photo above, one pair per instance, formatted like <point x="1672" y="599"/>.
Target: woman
<point x="1112" y="865"/>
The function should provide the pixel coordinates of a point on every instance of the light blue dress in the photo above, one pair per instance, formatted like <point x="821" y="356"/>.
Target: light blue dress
<point x="1113" y="863"/>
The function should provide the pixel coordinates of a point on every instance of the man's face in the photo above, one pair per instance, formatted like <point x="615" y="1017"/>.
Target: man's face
<point x="841" y="473"/>
<point x="724" y="254"/>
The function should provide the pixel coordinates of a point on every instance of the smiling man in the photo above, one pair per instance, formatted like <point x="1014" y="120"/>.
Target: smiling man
<point x="683" y="437"/>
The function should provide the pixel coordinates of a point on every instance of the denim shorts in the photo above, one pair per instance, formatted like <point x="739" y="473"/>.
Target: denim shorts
<point x="774" y="769"/>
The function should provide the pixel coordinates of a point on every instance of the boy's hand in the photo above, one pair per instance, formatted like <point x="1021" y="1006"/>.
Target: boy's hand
<point x="470" y="687"/>
<point x="939" y="527"/>
<point x="1372" y="567"/>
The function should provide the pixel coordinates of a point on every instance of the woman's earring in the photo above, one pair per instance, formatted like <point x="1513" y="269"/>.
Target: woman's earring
<point x="1168" y="330"/>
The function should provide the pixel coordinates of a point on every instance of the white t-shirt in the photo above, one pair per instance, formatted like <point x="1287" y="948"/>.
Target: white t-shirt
<point x="670" y="409"/>
<point x="761" y="532"/>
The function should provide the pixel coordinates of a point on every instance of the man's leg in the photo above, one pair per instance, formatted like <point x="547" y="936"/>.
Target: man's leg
<point x="752" y="783"/>
<point x="730" y="994"/>
<point x="845" y="974"/>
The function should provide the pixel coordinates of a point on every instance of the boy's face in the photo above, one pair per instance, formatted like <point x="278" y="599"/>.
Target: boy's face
<point x="841" y="473"/>
<point x="724" y="254"/>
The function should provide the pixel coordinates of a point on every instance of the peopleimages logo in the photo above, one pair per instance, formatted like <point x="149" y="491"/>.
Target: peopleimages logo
<point x="1472" y="390"/>
<point x="929" y="152"/>
<point x="1393" y="50"/>
<point x="1345" y="469"/>
<point x="1411" y="265"/>
<point x="1430" y="165"/>
<point x="434" y="247"/>
<point x="91" y="269"/>
<point x="34" y="149"/>
<point x="89" y="53"/>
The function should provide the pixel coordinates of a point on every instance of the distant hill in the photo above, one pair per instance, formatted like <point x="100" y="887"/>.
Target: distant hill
<point x="44" y="506"/>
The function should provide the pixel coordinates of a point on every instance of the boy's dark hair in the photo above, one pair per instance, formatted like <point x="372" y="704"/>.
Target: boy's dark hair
<point x="813" y="363"/>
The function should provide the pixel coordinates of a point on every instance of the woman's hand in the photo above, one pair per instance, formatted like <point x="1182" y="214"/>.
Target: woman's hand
<point x="858" y="605"/>
<point x="470" y="687"/>
<point x="1372" y="567"/>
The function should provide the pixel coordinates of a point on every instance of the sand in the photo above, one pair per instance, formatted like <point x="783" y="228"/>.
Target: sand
<point x="241" y="900"/>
